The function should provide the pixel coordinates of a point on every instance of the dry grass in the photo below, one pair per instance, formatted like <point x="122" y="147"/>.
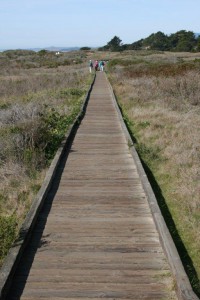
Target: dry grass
<point x="159" y="92"/>
<point x="162" y="103"/>
<point x="33" y="98"/>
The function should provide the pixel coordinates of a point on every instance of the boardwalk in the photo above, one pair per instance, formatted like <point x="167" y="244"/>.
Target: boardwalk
<point x="95" y="237"/>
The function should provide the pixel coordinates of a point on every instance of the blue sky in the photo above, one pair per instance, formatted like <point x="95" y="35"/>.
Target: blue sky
<point x="65" y="23"/>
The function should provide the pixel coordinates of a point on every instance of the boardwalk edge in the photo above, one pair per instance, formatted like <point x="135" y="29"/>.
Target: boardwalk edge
<point x="15" y="253"/>
<point x="183" y="286"/>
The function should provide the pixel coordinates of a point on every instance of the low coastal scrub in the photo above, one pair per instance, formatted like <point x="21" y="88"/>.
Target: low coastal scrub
<point x="8" y="233"/>
<point x="159" y="94"/>
<point x="160" y="100"/>
<point x="37" y="106"/>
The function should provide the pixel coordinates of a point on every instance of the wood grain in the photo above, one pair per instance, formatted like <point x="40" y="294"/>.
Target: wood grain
<point x="95" y="236"/>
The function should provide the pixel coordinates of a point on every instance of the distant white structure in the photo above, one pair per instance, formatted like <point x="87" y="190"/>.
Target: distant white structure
<point x="58" y="53"/>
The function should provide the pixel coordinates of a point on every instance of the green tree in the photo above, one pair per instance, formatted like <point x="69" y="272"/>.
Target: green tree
<point x="114" y="44"/>
<point x="42" y="52"/>
<point x="183" y="41"/>
<point x="157" y="41"/>
<point x="180" y="41"/>
<point x="198" y="44"/>
<point x="136" y="45"/>
<point x="85" y="48"/>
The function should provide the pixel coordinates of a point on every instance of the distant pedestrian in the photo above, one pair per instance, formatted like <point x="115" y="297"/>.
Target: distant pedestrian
<point x="96" y="65"/>
<point x="90" y="66"/>
<point x="101" y="65"/>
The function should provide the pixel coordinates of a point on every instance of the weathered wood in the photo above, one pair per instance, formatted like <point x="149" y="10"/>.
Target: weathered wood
<point x="95" y="236"/>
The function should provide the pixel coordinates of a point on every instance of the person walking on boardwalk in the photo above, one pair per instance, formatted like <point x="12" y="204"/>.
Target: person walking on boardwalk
<point x="101" y="65"/>
<point x="96" y="65"/>
<point x="90" y="65"/>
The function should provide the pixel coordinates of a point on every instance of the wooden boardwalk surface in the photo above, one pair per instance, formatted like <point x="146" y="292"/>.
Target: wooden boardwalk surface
<point x="95" y="236"/>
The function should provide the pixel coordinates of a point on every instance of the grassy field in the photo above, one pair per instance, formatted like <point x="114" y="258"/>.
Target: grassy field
<point x="159" y="95"/>
<point x="40" y="95"/>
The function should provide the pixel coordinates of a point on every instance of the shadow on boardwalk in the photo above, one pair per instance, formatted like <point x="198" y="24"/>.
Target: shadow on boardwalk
<point x="183" y="253"/>
<point x="185" y="258"/>
<point x="40" y="240"/>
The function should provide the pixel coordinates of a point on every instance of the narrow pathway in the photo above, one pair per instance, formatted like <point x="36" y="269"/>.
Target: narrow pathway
<point x="95" y="237"/>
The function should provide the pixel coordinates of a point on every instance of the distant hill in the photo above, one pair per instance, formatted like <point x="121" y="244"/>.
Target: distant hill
<point x="53" y="48"/>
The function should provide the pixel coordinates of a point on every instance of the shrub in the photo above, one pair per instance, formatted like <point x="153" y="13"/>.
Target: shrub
<point x="37" y="106"/>
<point x="53" y="129"/>
<point x="8" y="229"/>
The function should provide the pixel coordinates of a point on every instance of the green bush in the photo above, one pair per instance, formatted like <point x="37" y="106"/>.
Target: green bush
<point x="124" y="62"/>
<point x="4" y="105"/>
<point x="8" y="229"/>
<point x="148" y="154"/>
<point x="71" y="92"/>
<point x="53" y="129"/>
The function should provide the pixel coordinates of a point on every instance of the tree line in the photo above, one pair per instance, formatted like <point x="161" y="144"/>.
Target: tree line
<point x="181" y="41"/>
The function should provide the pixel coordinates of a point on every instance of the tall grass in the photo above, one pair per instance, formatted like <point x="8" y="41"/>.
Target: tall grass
<point x="161" y="100"/>
<point x="39" y="99"/>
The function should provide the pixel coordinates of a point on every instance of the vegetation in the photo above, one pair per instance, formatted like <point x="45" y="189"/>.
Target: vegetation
<point x="7" y="233"/>
<point x="159" y="94"/>
<point x="181" y="41"/>
<point x="114" y="45"/>
<point x="85" y="48"/>
<point x="159" y="97"/>
<point x="40" y="96"/>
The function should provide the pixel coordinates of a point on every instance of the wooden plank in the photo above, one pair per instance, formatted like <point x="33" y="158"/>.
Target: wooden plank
<point x="95" y="236"/>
